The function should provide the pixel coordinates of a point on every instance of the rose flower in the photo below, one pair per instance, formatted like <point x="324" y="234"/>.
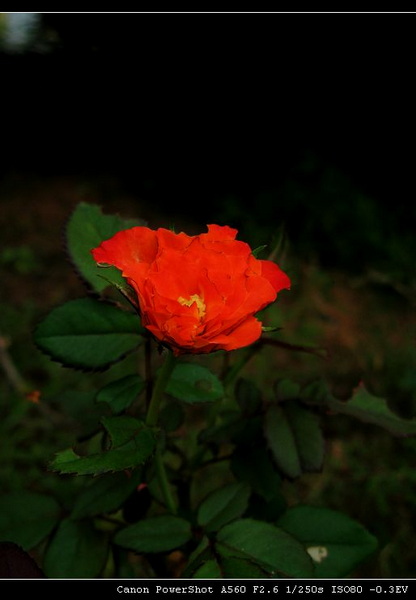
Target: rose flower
<point x="195" y="294"/>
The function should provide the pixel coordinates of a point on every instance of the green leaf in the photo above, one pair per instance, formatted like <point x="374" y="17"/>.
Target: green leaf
<point x="77" y="550"/>
<point x="86" y="229"/>
<point x="26" y="518"/>
<point x="241" y="568"/>
<point x="281" y="441"/>
<point x="135" y="444"/>
<point x="121" y="394"/>
<point x="253" y="465"/>
<point x="271" y="548"/>
<point x="372" y="409"/>
<point x="211" y="560"/>
<point x="223" y="505"/>
<point x="122" y="429"/>
<point x="308" y="436"/>
<point x="105" y="494"/>
<point x="88" y="334"/>
<point x="208" y="570"/>
<point x="156" y="534"/>
<point x="295" y="438"/>
<point x="194" y="383"/>
<point x="336" y="543"/>
<point x="202" y="561"/>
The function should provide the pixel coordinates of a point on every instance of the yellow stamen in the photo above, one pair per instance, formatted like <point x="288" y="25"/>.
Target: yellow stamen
<point x="200" y="304"/>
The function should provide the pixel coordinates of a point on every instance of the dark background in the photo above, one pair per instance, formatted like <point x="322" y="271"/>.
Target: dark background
<point x="187" y="110"/>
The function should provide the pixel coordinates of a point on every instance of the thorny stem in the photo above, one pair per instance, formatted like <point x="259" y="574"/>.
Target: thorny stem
<point x="151" y="421"/>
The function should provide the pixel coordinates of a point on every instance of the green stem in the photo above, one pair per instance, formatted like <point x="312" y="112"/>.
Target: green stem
<point x="163" y="482"/>
<point x="159" y="388"/>
<point x="230" y="374"/>
<point x="151" y="421"/>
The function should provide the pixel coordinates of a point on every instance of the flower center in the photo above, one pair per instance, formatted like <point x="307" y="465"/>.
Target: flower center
<point x="200" y="304"/>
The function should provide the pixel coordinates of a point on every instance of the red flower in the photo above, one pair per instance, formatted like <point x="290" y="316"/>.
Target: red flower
<point x="196" y="294"/>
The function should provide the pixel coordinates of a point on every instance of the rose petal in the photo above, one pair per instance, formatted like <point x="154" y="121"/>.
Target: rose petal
<point x="273" y="273"/>
<point x="128" y="248"/>
<point x="243" y="335"/>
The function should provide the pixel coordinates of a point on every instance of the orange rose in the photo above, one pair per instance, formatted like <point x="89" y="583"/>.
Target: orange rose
<point x="196" y="294"/>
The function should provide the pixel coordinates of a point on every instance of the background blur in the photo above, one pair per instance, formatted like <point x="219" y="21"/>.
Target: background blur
<point x="305" y="122"/>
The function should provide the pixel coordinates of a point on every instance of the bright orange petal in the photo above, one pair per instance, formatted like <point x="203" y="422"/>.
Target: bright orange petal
<point x="220" y="232"/>
<point x="243" y="335"/>
<point x="273" y="273"/>
<point x="128" y="248"/>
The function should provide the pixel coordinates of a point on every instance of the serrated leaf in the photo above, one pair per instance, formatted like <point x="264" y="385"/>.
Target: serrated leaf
<point x="156" y="534"/>
<point x="281" y="441"/>
<point x="363" y="406"/>
<point x="270" y="547"/>
<point x="294" y="436"/>
<point x="122" y="429"/>
<point x="88" y="334"/>
<point x="336" y="543"/>
<point x="308" y="436"/>
<point x="121" y="394"/>
<point x="77" y="550"/>
<point x="372" y="409"/>
<point x="193" y="383"/>
<point x="105" y="494"/>
<point x="223" y="506"/>
<point x="26" y="518"/>
<point x="86" y="229"/>
<point x="135" y="451"/>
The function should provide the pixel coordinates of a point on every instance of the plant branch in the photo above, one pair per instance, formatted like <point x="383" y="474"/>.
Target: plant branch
<point x="163" y="482"/>
<point x="158" y="389"/>
<point x="151" y="421"/>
